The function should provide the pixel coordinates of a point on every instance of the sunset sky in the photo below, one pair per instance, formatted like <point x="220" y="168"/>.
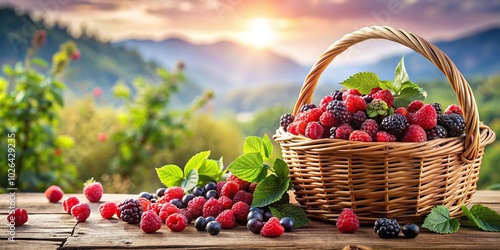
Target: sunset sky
<point x="300" y="29"/>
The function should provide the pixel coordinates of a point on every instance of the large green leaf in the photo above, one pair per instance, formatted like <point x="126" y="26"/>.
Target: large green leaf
<point x="195" y="162"/>
<point x="297" y="214"/>
<point x="170" y="175"/>
<point x="483" y="217"/>
<point x="269" y="190"/>
<point x="281" y="169"/>
<point x="363" y="81"/>
<point x="400" y="74"/>
<point x="268" y="146"/>
<point x="439" y="221"/>
<point x="247" y="166"/>
<point x="209" y="169"/>
<point x="190" y="181"/>
<point x="254" y="144"/>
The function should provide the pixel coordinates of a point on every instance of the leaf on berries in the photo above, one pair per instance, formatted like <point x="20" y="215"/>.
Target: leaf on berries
<point x="268" y="146"/>
<point x="439" y="221"/>
<point x="170" y="175"/>
<point x="363" y="81"/>
<point x="247" y="166"/>
<point x="254" y="144"/>
<point x="483" y="217"/>
<point x="297" y="214"/>
<point x="407" y="95"/>
<point x="210" y="169"/>
<point x="195" y="162"/>
<point x="190" y="181"/>
<point x="281" y="169"/>
<point x="400" y="74"/>
<point x="269" y="190"/>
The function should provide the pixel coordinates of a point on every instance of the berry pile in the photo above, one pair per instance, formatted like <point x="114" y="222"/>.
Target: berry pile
<point x="349" y="115"/>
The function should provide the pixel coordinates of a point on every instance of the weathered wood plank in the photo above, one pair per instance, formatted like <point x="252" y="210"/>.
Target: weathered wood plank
<point x="29" y="245"/>
<point x="52" y="227"/>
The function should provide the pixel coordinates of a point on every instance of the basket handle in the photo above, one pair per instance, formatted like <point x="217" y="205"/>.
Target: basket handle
<point x="420" y="45"/>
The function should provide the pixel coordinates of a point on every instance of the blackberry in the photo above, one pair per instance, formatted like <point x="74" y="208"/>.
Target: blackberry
<point x="436" y="133"/>
<point x="395" y="124"/>
<point x="130" y="211"/>
<point x="286" y="119"/>
<point x="340" y="111"/>
<point x="453" y="123"/>
<point x="386" y="228"/>
<point x="439" y="110"/>
<point x="307" y="107"/>
<point x="337" y="95"/>
<point x="357" y="119"/>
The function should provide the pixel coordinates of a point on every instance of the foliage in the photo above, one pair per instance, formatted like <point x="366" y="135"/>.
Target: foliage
<point x="29" y="101"/>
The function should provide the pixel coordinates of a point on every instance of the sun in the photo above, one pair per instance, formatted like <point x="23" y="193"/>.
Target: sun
<point x="260" y="33"/>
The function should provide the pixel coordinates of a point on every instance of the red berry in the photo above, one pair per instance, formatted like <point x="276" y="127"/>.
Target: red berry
<point x="69" y="203"/>
<point x="240" y="210"/>
<point x="348" y="221"/>
<point x="370" y="126"/>
<point x="301" y="116"/>
<point x="415" y="133"/>
<point x="373" y="91"/>
<point x="226" y="202"/>
<point x="342" y="132"/>
<point x="272" y="228"/>
<point x="108" y="209"/>
<point x="93" y="190"/>
<point x="402" y="111"/>
<point x="76" y="55"/>
<point x="81" y="212"/>
<point x="313" y="115"/>
<point x="97" y="91"/>
<point x="176" y="222"/>
<point x="453" y="108"/>
<point x="156" y="207"/>
<point x="212" y="208"/>
<point x="226" y="219"/>
<point x="383" y="136"/>
<point x="350" y="92"/>
<point x="102" y="137"/>
<point x="355" y="103"/>
<point x="384" y="95"/>
<point x="252" y="187"/>
<point x="297" y="127"/>
<point x="144" y="203"/>
<point x="187" y="214"/>
<point x="426" y="117"/>
<point x="243" y="184"/>
<point x="195" y="206"/>
<point x="150" y="222"/>
<point x="243" y="196"/>
<point x="173" y="193"/>
<point x="314" y="130"/>
<point x="358" y="135"/>
<point x="323" y="103"/>
<point x="415" y="106"/>
<point x="220" y="184"/>
<point x="230" y="189"/>
<point x="54" y="193"/>
<point x="168" y="209"/>
<point x="18" y="216"/>
<point x="328" y="119"/>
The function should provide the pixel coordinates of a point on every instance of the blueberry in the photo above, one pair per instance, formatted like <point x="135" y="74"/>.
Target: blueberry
<point x="200" y="223"/>
<point x="198" y="191"/>
<point x="187" y="198"/>
<point x="210" y="194"/>
<point x="210" y="186"/>
<point x="411" y="230"/>
<point x="254" y="225"/>
<point x="214" y="227"/>
<point x="287" y="223"/>
<point x="267" y="215"/>
<point x="209" y="219"/>
<point x="255" y="215"/>
<point x="160" y="192"/>
<point x="178" y="203"/>
<point x="145" y="195"/>
<point x="258" y="209"/>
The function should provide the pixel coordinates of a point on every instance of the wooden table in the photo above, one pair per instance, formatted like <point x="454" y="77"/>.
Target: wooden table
<point x="49" y="227"/>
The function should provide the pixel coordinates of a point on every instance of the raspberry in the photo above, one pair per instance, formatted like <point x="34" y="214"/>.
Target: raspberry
<point x="144" y="203"/>
<point x="426" y="117"/>
<point x="19" y="216"/>
<point x="328" y="119"/>
<point x="341" y="132"/>
<point x="54" y="193"/>
<point x="415" y="106"/>
<point x="69" y="203"/>
<point x="340" y="111"/>
<point x="187" y="214"/>
<point x="350" y="92"/>
<point x="212" y="208"/>
<point x="156" y="207"/>
<point x="286" y="119"/>
<point x="453" y="123"/>
<point x="272" y="228"/>
<point x="93" y="190"/>
<point x="395" y="125"/>
<point x="402" y="111"/>
<point x="240" y="210"/>
<point x="355" y="103"/>
<point x="230" y="189"/>
<point x="243" y="196"/>
<point x="373" y="91"/>
<point x="307" y="107"/>
<point x="220" y="184"/>
<point x="252" y="187"/>
<point x="131" y="211"/>
<point x="301" y="116"/>
<point x="243" y="184"/>
<point x="323" y="103"/>
<point x="108" y="209"/>
<point x="358" y="135"/>
<point x="225" y="202"/>
<point x="168" y="209"/>
<point x="386" y="228"/>
<point x="370" y="126"/>
<point x="453" y="108"/>
<point x="415" y="133"/>
<point x="337" y="95"/>
<point x="226" y="219"/>
<point x="436" y="133"/>
<point x="313" y="115"/>
<point x="81" y="211"/>
<point x="173" y="193"/>
<point x="384" y="95"/>
<point x="348" y="221"/>
<point x="176" y="222"/>
<point x="439" y="109"/>
<point x="383" y="136"/>
<point x="150" y="222"/>
<point x="297" y="127"/>
<point x="314" y="130"/>
<point x="195" y="206"/>
<point x="357" y="119"/>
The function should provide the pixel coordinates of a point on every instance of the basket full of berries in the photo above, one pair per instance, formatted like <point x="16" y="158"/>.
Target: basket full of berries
<point x="376" y="148"/>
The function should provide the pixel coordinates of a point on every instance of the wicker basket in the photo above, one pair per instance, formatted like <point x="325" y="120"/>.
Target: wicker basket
<point x="402" y="180"/>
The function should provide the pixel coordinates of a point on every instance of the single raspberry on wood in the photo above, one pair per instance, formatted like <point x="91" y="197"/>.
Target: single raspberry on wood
<point x="93" y="190"/>
<point x="81" y="212"/>
<point x="347" y="221"/>
<point x="226" y="219"/>
<point x="69" y="203"/>
<point x="272" y="228"/>
<point x="176" y="222"/>
<point x="19" y="216"/>
<point x="314" y="130"/>
<point x="150" y="222"/>
<point x="54" y="193"/>
<point x="415" y="133"/>
<point x="358" y="135"/>
<point x="108" y="209"/>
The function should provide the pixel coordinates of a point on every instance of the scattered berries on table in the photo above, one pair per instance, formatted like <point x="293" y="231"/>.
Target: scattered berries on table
<point x="18" y="216"/>
<point x="150" y="222"/>
<point x="69" y="203"/>
<point x="287" y="223"/>
<point x="386" y="228"/>
<point x="54" y="193"/>
<point x="226" y="219"/>
<point x="254" y="225"/>
<point x="93" y="190"/>
<point x="108" y="209"/>
<point x="131" y="211"/>
<point x="347" y="222"/>
<point x="410" y="230"/>
<point x="81" y="212"/>
<point x="176" y="222"/>
<point x="214" y="228"/>
<point x="272" y="228"/>
<point x="200" y="223"/>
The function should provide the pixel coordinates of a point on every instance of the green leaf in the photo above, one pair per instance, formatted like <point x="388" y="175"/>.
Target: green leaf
<point x="195" y="162"/>
<point x="297" y="214"/>
<point x="247" y="166"/>
<point x="190" y="181"/>
<point x="7" y="69"/>
<point x="40" y="62"/>
<point x="400" y="74"/>
<point x="210" y="169"/>
<point x="269" y="190"/>
<point x="263" y="173"/>
<point x="57" y="97"/>
<point x="408" y="95"/>
<point x="254" y="144"/>
<point x="439" y="221"/>
<point x="268" y="146"/>
<point x="281" y="169"/>
<point x="363" y="81"/>
<point x="170" y="175"/>
<point x="483" y="217"/>
<point x="386" y="84"/>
